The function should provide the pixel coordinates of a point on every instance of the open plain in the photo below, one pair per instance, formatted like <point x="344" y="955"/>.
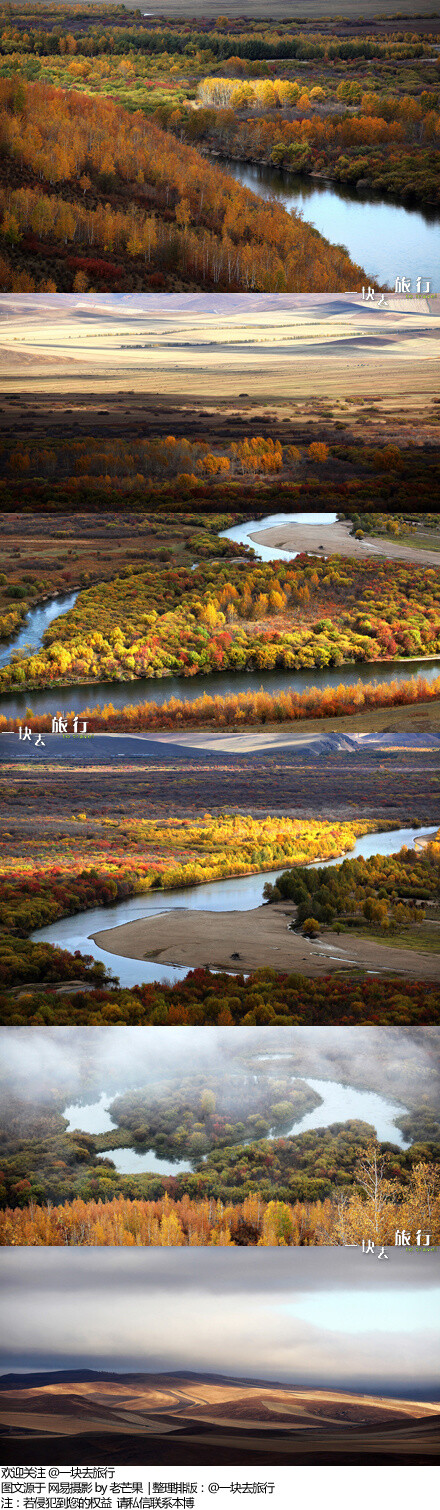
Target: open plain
<point x="211" y="348"/>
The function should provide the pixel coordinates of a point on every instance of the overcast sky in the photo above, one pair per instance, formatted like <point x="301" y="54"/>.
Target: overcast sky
<point x="327" y="1316"/>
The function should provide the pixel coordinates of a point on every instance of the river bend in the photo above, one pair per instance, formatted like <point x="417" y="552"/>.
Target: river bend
<point x="240" y="894"/>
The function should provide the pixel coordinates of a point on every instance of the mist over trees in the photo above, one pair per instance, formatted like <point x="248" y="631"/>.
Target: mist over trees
<point x="241" y="1185"/>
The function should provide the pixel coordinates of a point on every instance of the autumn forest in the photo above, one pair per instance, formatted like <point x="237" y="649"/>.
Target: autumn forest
<point x="219" y="635"/>
<point x="305" y="613"/>
<point x="114" y="127"/>
<point x="171" y="208"/>
<point x="251" y="1177"/>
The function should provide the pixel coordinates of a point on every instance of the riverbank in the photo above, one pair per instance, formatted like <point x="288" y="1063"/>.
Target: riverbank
<point x="370" y="217"/>
<point x="337" y="539"/>
<point x="248" y="941"/>
<point x="410" y="721"/>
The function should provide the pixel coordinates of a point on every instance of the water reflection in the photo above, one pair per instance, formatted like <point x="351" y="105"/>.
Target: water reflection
<point x="92" y="1117"/>
<point x="239" y="894"/>
<point x="30" y="636"/>
<point x="129" y="1161"/>
<point x="242" y="533"/>
<point x="339" y="1103"/>
<point x="158" y="690"/>
<point x="384" y="238"/>
<point x="381" y="844"/>
<point x="122" y="694"/>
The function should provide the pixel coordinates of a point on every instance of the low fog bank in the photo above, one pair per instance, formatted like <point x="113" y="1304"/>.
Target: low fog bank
<point x="81" y="1062"/>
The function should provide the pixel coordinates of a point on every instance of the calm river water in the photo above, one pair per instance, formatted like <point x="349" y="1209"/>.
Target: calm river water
<point x="241" y="894"/>
<point x="129" y="694"/>
<point x="242" y="533"/>
<point x="30" y="636"/>
<point x="159" y="690"/>
<point x="388" y="240"/>
<point x="339" y="1103"/>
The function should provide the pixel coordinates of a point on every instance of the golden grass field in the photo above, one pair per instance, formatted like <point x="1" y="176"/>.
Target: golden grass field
<point x="214" y="348"/>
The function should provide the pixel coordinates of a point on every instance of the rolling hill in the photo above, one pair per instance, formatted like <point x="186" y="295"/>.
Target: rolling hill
<point x="199" y="1418"/>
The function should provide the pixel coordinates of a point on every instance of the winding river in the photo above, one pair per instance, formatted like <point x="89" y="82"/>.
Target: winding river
<point x="99" y="695"/>
<point x="30" y="636"/>
<point x="388" y="240"/>
<point x="241" y="894"/>
<point x="339" y="1103"/>
<point x="160" y="689"/>
<point x="242" y="533"/>
<point x="121" y="693"/>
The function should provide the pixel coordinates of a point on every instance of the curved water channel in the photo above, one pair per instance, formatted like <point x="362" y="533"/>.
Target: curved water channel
<point x="100" y="695"/>
<point x="388" y="240"/>
<point x="242" y="533"/>
<point x="30" y="636"/>
<point x="160" y="689"/>
<point x="241" y="894"/>
<point x="339" y="1103"/>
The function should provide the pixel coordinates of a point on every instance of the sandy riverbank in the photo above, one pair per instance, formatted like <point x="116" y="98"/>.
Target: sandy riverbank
<point x="336" y="539"/>
<point x="260" y="938"/>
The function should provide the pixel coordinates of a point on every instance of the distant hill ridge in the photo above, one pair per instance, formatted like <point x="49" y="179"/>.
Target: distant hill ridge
<point x="89" y="1376"/>
<point x="17" y="1381"/>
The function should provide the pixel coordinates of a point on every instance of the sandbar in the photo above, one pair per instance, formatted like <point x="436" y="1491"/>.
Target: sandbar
<point x="258" y="938"/>
<point x="336" y="539"/>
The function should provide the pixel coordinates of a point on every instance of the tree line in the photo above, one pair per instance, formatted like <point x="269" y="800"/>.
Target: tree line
<point x="375" y="1205"/>
<point x="249" y="709"/>
<point x="113" y="182"/>
<point x="123" y="857"/>
<point x="301" y="613"/>
<point x="182" y="38"/>
<point x="386" y="891"/>
<point x="391" y="142"/>
<point x="267" y="998"/>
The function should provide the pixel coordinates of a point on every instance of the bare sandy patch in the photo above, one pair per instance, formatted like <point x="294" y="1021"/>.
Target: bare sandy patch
<point x="247" y="941"/>
<point x="336" y="539"/>
<point x="276" y="737"/>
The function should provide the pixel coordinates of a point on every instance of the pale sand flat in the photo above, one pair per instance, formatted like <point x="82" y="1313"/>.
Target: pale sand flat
<point x="261" y="938"/>
<point x="336" y="539"/>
